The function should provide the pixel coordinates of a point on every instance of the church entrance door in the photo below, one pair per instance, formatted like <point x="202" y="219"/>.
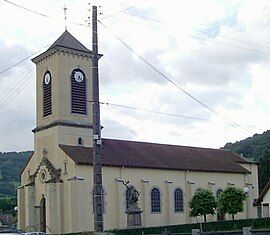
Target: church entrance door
<point x="43" y="215"/>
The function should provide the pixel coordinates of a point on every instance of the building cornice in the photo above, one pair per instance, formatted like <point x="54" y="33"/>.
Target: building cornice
<point x="65" y="50"/>
<point x="63" y="123"/>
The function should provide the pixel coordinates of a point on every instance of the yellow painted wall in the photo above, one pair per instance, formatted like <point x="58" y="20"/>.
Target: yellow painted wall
<point x="115" y="192"/>
<point x="61" y="65"/>
<point x="76" y="194"/>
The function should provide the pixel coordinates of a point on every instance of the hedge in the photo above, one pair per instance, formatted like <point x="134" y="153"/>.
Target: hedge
<point x="231" y="225"/>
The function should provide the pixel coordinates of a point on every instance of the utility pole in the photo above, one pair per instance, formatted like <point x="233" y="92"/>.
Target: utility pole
<point x="97" y="171"/>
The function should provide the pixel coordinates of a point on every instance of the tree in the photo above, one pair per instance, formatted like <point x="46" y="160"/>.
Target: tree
<point x="264" y="169"/>
<point x="7" y="205"/>
<point x="202" y="203"/>
<point x="7" y="189"/>
<point x="231" y="201"/>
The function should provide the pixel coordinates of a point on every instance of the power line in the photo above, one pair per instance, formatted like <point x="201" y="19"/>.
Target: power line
<point x="198" y="37"/>
<point x="166" y="129"/>
<point x="41" y="14"/>
<point x="136" y="22"/>
<point x="175" y="84"/>
<point x="126" y="113"/>
<point x="19" y="62"/>
<point x="2" y="106"/>
<point x="201" y="31"/>
<point x="143" y="17"/>
<point x="115" y="13"/>
<point x="233" y="39"/>
<point x="231" y="45"/>
<point x="24" y="8"/>
<point x="14" y="94"/>
<point x="14" y="87"/>
<point x="152" y="111"/>
<point x="156" y="112"/>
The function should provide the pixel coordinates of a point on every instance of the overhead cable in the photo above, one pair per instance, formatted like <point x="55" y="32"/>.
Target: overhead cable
<point x="234" y="124"/>
<point x="167" y="130"/>
<point x="19" y="62"/>
<point x="202" y="31"/>
<point x="41" y="14"/>
<point x="19" y="90"/>
<point x="115" y="13"/>
<point x="198" y="37"/>
<point x="156" y="112"/>
<point x="19" y="82"/>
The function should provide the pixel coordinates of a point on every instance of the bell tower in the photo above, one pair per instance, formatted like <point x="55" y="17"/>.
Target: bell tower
<point x="63" y="89"/>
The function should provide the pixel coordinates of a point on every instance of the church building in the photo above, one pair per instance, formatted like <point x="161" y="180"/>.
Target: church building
<point x="56" y="189"/>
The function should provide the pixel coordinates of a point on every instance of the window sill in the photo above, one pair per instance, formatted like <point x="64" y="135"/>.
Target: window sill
<point x="179" y="212"/>
<point x="79" y="114"/>
<point x="45" y="117"/>
<point x="155" y="213"/>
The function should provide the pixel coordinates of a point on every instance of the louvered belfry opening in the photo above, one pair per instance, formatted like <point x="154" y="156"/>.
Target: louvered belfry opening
<point x="78" y="93"/>
<point x="47" y="95"/>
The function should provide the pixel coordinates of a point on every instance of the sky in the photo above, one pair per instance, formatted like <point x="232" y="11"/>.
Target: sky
<point x="207" y="60"/>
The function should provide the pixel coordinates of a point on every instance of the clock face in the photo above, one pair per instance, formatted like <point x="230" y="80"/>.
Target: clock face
<point x="47" y="78"/>
<point x="78" y="76"/>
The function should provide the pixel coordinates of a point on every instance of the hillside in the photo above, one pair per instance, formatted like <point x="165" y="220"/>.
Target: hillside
<point x="252" y="147"/>
<point x="257" y="148"/>
<point x="11" y="164"/>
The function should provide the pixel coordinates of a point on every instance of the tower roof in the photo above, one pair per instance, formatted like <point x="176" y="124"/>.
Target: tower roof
<point x="68" y="41"/>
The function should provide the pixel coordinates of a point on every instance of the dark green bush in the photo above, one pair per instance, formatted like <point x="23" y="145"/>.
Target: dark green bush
<point x="231" y="225"/>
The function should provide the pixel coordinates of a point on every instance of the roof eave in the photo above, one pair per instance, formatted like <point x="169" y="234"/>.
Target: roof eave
<point x="55" y="49"/>
<point x="160" y="168"/>
<point x="262" y="194"/>
<point x="26" y="163"/>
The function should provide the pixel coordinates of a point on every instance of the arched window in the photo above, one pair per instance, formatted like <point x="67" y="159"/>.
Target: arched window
<point x="47" y="94"/>
<point x="155" y="200"/>
<point x="178" y="200"/>
<point x="78" y="92"/>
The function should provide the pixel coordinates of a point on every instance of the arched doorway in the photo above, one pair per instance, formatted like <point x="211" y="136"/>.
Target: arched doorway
<point x="43" y="215"/>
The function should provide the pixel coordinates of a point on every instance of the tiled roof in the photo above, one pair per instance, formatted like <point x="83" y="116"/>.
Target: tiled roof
<point x="121" y="153"/>
<point x="66" y="40"/>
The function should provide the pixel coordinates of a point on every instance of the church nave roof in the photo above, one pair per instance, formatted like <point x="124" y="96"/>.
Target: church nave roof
<point x="122" y="153"/>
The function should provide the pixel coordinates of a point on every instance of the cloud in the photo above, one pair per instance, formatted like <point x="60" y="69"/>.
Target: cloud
<point x="120" y="65"/>
<point x="16" y="132"/>
<point x="114" y="129"/>
<point x="10" y="55"/>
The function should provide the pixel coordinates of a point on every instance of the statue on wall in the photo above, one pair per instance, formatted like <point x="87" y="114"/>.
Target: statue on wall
<point x="133" y="195"/>
<point x="133" y="211"/>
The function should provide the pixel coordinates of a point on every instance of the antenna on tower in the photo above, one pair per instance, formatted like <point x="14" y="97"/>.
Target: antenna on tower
<point x="65" y="15"/>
